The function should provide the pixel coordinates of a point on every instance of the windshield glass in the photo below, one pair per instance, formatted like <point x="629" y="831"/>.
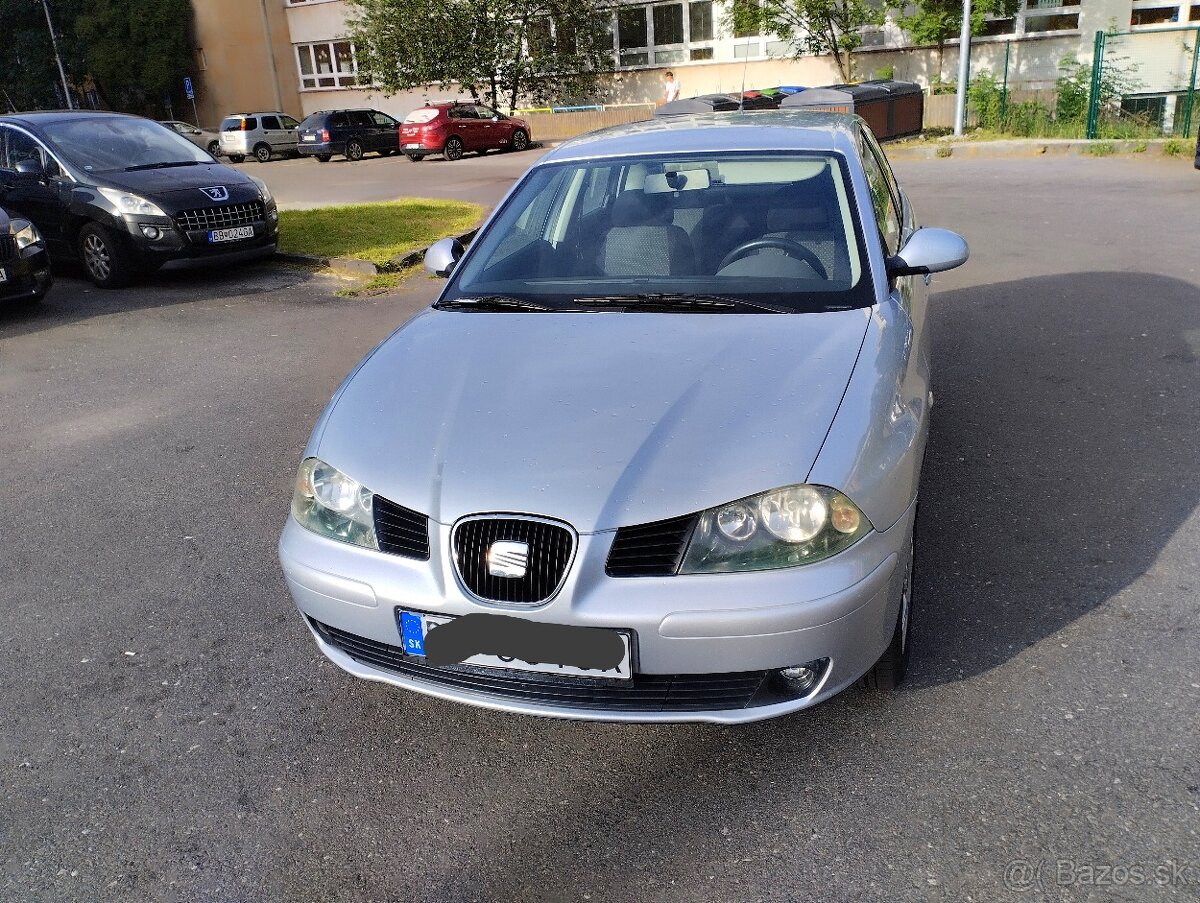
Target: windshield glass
<point x="772" y="229"/>
<point x="106" y="144"/>
<point x="426" y="114"/>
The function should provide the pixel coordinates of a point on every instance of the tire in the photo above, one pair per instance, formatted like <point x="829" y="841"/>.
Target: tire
<point x="323" y="158"/>
<point x="520" y="140"/>
<point x="262" y="153"/>
<point x="453" y="149"/>
<point x="214" y="148"/>
<point x="888" y="673"/>
<point x="107" y="260"/>
<point x="416" y="158"/>
<point x="354" y="150"/>
<point x="237" y="158"/>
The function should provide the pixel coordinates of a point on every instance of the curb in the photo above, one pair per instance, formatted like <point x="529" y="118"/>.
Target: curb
<point x="1035" y="147"/>
<point x="352" y="266"/>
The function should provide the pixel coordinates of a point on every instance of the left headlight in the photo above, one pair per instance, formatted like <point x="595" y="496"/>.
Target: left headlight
<point x="262" y="189"/>
<point x="26" y="233"/>
<point x="328" y="502"/>
<point x="782" y="528"/>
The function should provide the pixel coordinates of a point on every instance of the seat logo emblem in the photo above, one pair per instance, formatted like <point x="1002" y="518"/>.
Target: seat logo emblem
<point x="216" y="193"/>
<point x="508" y="559"/>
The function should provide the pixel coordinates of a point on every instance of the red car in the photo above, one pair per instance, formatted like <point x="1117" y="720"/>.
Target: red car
<point x="454" y="127"/>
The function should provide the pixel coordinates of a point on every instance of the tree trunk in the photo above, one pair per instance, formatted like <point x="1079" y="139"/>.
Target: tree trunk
<point x="494" y="97"/>
<point x="940" y="56"/>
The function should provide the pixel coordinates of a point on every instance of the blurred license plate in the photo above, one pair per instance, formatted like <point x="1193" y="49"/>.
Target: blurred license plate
<point x="415" y="626"/>
<point x="3" y="275"/>
<point x="309" y="138"/>
<point x="411" y="146"/>
<point x="241" y="232"/>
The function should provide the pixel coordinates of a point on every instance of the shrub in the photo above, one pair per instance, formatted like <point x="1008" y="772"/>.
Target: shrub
<point x="1174" y="148"/>
<point x="1100" y="149"/>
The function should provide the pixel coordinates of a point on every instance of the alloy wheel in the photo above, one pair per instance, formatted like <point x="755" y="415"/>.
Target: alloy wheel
<point x="96" y="257"/>
<point x="520" y="141"/>
<point x="454" y="149"/>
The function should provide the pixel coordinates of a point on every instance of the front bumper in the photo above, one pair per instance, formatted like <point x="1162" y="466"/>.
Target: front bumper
<point x="27" y="276"/>
<point x="180" y="249"/>
<point x="842" y="610"/>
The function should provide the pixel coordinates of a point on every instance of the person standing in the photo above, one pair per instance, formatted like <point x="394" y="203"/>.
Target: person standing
<point x="671" y="88"/>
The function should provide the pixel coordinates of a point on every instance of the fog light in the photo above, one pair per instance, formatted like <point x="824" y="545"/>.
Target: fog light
<point x="802" y="678"/>
<point x="152" y="232"/>
<point x="274" y="215"/>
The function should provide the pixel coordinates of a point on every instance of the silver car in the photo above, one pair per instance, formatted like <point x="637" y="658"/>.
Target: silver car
<point x="205" y="138"/>
<point x="653" y="455"/>
<point x="259" y="134"/>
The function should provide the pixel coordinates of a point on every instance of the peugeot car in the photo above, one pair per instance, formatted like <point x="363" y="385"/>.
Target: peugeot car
<point x="125" y="196"/>
<point x="24" y="265"/>
<point x="654" y="452"/>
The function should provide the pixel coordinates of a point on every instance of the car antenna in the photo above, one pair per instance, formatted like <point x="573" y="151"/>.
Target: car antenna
<point x="745" y="66"/>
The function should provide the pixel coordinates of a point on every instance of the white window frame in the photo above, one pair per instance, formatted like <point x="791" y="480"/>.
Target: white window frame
<point x="342" y="79"/>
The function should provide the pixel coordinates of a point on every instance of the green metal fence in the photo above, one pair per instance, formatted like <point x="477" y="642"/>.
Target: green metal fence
<point x="1149" y="76"/>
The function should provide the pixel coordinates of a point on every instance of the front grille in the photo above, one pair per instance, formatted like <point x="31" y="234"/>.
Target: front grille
<point x="230" y="216"/>
<point x="550" y="549"/>
<point x="645" y="693"/>
<point x="8" y="247"/>
<point x="401" y="531"/>
<point x="650" y="550"/>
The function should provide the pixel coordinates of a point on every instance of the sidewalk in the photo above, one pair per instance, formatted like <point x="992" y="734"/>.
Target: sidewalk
<point x="1030" y="147"/>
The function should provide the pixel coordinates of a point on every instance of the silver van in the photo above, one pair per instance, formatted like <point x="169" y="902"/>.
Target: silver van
<point x="259" y="134"/>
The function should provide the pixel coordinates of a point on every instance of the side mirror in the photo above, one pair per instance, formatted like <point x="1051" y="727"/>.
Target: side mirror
<point x="929" y="251"/>
<point x="32" y="168"/>
<point x="442" y="256"/>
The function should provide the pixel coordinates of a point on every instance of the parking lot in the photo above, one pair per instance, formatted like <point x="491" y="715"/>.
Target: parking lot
<point x="170" y="731"/>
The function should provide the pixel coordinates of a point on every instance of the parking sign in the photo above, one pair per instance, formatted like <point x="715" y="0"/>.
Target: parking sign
<point x="187" y="88"/>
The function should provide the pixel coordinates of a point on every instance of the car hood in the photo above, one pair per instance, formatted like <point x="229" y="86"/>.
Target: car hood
<point x="176" y="179"/>
<point x="601" y="420"/>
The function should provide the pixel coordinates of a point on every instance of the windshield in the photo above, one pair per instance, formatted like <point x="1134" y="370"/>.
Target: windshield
<point x="104" y="144"/>
<point x="777" y="230"/>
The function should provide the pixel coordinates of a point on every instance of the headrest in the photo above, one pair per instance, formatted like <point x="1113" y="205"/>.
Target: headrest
<point x="635" y="208"/>
<point x="798" y="207"/>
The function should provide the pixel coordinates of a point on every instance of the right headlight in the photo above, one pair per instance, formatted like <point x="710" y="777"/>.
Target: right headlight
<point x="25" y="233"/>
<point x="782" y="528"/>
<point x="131" y="204"/>
<point x="328" y="502"/>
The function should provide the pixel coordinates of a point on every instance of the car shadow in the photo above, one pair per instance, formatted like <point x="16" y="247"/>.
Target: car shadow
<point x="73" y="298"/>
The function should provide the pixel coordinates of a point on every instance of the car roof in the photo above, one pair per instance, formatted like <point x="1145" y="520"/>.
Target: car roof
<point x="768" y="130"/>
<point x="260" y="113"/>
<point x="41" y="117"/>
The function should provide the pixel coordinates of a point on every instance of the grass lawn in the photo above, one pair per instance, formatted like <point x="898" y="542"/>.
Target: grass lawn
<point x="374" y="232"/>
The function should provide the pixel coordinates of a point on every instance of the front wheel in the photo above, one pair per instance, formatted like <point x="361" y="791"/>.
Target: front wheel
<point x="214" y="148"/>
<point x="237" y="158"/>
<point x="354" y="150"/>
<point x="520" y="140"/>
<point x="888" y="673"/>
<point x="453" y="149"/>
<point x="108" y="262"/>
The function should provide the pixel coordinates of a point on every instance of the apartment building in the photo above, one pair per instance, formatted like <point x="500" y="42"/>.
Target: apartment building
<point x="317" y="69"/>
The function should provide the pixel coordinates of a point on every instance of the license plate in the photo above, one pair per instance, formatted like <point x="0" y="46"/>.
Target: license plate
<point x="411" y="146"/>
<point x="241" y="232"/>
<point x="415" y="626"/>
<point x="3" y="275"/>
<point x="309" y="138"/>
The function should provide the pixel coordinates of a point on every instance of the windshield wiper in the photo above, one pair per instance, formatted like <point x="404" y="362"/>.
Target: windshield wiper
<point x="669" y="301"/>
<point x="492" y="303"/>
<point x="142" y="166"/>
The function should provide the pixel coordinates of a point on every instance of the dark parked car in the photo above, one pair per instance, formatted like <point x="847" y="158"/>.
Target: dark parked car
<point x="350" y="133"/>
<point x="1198" y="153"/>
<point x="126" y="196"/>
<point x="24" y="264"/>
<point x="452" y="128"/>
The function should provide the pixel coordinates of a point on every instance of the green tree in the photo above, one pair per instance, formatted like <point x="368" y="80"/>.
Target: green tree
<point x="809" y="26"/>
<point x="938" y="21"/>
<point x="498" y="50"/>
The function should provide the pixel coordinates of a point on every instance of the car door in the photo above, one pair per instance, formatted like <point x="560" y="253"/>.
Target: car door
<point x="287" y="138"/>
<point x="273" y="132"/>
<point x="387" y="132"/>
<point x="362" y="127"/>
<point x="464" y="122"/>
<point x="43" y="198"/>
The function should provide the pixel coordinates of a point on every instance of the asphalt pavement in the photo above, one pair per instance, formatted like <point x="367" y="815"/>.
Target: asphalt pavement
<point x="169" y="731"/>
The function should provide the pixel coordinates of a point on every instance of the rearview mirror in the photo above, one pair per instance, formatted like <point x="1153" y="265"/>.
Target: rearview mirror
<point x="442" y="256"/>
<point x="929" y="251"/>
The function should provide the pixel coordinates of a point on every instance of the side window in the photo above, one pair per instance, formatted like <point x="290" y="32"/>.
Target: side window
<point x="290" y="123"/>
<point x="270" y="122"/>
<point x="360" y="118"/>
<point x="881" y="199"/>
<point x="384" y="120"/>
<point x="338" y="121"/>
<point x="887" y="171"/>
<point x="485" y="113"/>
<point x="19" y="147"/>
<point x="596" y="192"/>
<point x="463" y="113"/>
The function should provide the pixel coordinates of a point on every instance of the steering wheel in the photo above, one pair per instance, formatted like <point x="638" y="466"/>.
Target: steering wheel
<point x="789" y="247"/>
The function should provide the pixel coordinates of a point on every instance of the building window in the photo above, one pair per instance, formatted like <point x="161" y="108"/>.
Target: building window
<point x="700" y="21"/>
<point x="1155" y="15"/>
<point x="1051" y="15"/>
<point x="633" y="36"/>
<point x="668" y="31"/>
<point x="330" y="64"/>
